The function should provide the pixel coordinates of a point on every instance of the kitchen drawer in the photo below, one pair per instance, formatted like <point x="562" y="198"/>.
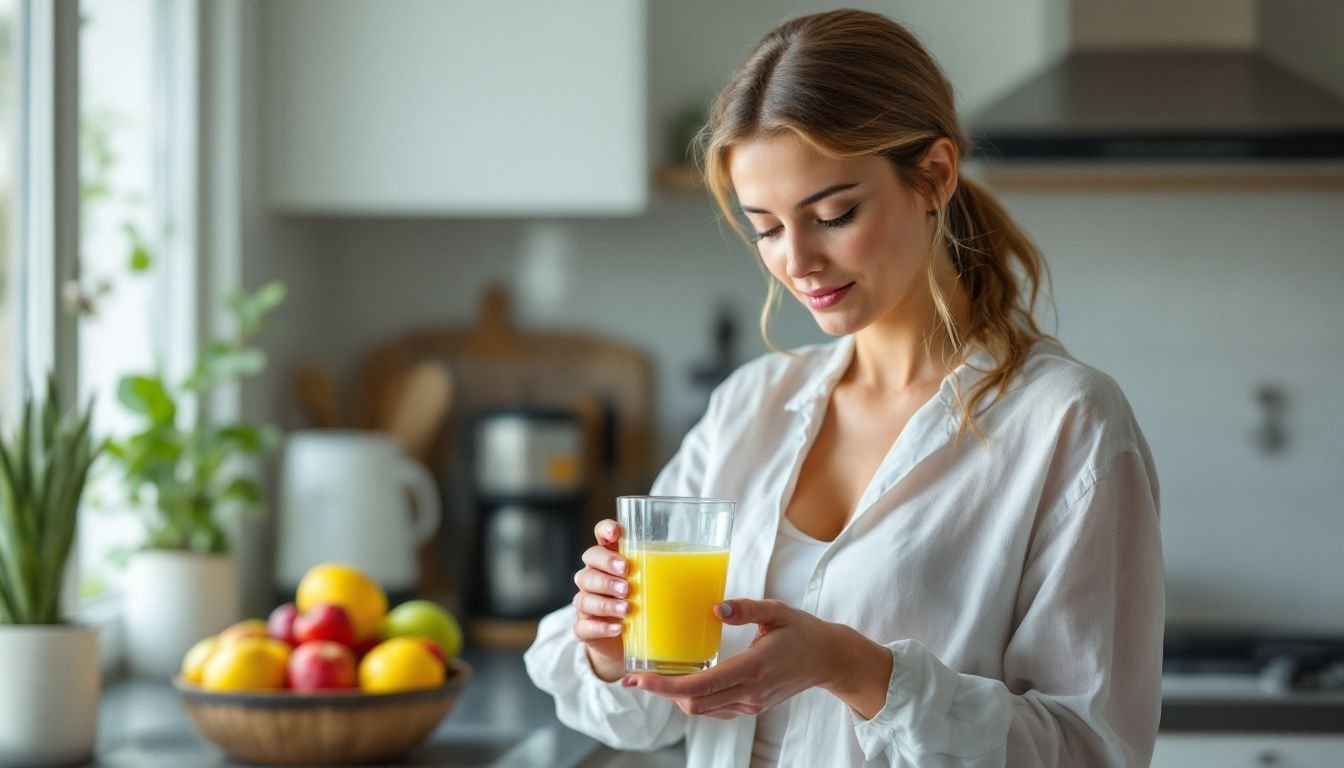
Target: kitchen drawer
<point x="1252" y="751"/>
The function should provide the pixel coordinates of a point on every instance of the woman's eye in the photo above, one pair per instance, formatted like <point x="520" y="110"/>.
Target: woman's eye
<point x="766" y="235"/>
<point x="840" y="220"/>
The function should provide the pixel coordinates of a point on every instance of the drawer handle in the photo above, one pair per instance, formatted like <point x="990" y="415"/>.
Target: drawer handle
<point x="1269" y="758"/>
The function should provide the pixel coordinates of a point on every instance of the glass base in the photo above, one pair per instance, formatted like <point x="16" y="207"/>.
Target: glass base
<point x="667" y="667"/>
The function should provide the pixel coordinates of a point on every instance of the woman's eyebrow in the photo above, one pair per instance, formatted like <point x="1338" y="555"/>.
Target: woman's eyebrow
<point x="810" y="199"/>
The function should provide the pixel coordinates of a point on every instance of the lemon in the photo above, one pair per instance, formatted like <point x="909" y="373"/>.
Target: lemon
<point x="400" y="664"/>
<point x="347" y="587"/>
<point x="193" y="664"/>
<point x="249" y="664"/>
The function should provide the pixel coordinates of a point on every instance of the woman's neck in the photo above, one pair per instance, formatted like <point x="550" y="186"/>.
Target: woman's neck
<point x="909" y="345"/>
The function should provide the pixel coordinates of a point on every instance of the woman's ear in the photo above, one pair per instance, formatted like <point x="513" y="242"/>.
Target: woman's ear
<point x="940" y="160"/>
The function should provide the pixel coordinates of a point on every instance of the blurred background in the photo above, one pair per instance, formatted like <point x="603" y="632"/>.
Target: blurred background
<point x="494" y="251"/>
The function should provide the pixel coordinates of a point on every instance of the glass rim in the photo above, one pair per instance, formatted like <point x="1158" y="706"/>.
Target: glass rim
<point x="688" y="500"/>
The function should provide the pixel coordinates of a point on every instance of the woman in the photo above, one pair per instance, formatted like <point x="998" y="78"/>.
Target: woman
<point x="946" y="548"/>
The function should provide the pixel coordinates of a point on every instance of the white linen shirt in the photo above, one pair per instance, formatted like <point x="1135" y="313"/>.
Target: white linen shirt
<point x="1017" y="580"/>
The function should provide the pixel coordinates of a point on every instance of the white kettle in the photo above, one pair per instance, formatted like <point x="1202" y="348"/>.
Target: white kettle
<point x="343" y="498"/>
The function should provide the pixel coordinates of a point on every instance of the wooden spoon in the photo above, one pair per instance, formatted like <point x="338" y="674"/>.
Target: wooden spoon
<point x="420" y="407"/>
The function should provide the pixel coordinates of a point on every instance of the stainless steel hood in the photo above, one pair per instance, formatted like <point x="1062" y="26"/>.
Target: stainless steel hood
<point x="1195" y="105"/>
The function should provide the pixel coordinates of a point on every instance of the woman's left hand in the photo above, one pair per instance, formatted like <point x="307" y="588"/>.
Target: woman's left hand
<point x="792" y="652"/>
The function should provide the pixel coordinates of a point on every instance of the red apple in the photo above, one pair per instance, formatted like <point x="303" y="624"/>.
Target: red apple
<point x="281" y="623"/>
<point x="435" y="649"/>
<point x="322" y="665"/>
<point x="365" y="645"/>
<point x="325" y="621"/>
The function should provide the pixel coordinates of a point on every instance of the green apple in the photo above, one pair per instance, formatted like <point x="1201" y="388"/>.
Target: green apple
<point x="422" y="618"/>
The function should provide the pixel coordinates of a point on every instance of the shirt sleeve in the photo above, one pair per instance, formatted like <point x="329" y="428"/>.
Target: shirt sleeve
<point x="622" y="718"/>
<point x="1082" y="671"/>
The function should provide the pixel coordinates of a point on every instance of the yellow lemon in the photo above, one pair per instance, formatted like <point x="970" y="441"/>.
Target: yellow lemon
<point x="193" y="664"/>
<point x="249" y="664"/>
<point x="347" y="587"/>
<point x="400" y="664"/>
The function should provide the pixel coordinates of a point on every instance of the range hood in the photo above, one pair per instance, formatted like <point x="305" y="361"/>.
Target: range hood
<point x="1162" y="105"/>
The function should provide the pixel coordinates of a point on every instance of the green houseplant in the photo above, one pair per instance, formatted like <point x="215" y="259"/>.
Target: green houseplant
<point x="181" y="477"/>
<point x="186" y="474"/>
<point x="49" y="700"/>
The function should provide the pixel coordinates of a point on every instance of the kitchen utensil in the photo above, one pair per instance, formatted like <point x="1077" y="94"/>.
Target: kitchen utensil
<point x="495" y="364"/>
<point x="416" y="419"/>
<point x="343" y="498"/>
<point x="315" y="389"/>
<point x="337" y="728"/>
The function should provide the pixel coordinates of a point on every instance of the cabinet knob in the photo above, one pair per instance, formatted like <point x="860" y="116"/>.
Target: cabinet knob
<point x="1269" y="757"/>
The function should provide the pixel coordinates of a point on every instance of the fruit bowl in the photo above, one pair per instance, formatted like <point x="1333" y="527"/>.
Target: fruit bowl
<point x="333" y="728"/>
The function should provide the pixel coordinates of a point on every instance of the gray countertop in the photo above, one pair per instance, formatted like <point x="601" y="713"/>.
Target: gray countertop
<point x="503" y="720"/>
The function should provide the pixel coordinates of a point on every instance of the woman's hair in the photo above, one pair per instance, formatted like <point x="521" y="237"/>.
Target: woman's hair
<point x="857" y="84"/>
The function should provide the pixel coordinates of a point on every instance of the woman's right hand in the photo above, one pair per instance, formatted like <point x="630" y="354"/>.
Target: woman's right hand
<point x="601" y="602"/>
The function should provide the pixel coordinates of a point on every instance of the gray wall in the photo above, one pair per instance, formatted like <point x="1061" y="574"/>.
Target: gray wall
<point x="1191" y="300"/>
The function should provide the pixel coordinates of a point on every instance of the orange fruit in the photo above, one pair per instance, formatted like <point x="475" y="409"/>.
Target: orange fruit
<point x="249" y="664"/>
<point x="245" y="628"/>
<point x="193" y="664"/>
<point x="347" y="587"/>
<point x="400" y="664"/>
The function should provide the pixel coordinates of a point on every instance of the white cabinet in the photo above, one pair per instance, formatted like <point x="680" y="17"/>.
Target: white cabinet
<point x="1253" y="751"/>
<point x="455" y="107"/>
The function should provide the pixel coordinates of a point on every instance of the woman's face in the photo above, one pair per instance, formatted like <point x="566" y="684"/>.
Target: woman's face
<point x="845" y="237"/>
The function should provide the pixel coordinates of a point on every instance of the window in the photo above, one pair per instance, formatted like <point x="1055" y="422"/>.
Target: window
<point x="11" y="331"/>
<point x="132" y="236"/>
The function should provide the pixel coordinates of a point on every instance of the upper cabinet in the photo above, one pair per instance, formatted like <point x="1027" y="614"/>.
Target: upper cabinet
<point x="439" y="107"/>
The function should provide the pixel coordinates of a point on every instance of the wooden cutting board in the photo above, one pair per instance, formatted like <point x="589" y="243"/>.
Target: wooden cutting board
<point x="494" y="364"/>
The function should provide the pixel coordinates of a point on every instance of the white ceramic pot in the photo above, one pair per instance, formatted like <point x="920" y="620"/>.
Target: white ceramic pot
<point x="174" y="599"/>
<point x="49" y="697"/>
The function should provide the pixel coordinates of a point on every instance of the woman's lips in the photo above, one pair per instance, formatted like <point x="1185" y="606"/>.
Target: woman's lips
<point x="827" y="298"/>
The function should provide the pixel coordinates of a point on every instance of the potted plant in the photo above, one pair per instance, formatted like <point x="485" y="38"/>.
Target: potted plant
<point x="49" y="697"/>
<point x="186" y="475"/>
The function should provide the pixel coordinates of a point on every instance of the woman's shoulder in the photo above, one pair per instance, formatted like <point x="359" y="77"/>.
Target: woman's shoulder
<point x="1075" y="399"/>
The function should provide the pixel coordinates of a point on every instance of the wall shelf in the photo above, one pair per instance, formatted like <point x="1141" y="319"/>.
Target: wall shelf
<point x="1046" y="177"/>
<point x="1102" y="177"/>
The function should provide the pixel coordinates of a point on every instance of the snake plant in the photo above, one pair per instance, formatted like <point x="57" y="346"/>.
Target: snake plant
<point x="43" y="465"/>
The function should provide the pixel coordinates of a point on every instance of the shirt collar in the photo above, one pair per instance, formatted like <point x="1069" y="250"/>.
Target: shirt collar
<point x="823" y="379"/>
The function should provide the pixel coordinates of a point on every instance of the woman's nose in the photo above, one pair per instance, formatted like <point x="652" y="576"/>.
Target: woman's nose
<point x="802" y="257"/>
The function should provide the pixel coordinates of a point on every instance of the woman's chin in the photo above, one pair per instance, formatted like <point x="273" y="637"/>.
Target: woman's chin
<point x="834" y="324"/>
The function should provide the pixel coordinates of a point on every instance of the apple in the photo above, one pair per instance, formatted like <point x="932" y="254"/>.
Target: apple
<point x="320" y="665"/>
<point x="363" y="646"/>
<point x="325" y="621"/>
<point x="281" y="623"/>
<point x="422" y="618"/>
<point x="435" y="649"/>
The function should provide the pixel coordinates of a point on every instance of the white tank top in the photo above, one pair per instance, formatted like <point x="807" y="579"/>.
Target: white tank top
<point x="795" y="557"/>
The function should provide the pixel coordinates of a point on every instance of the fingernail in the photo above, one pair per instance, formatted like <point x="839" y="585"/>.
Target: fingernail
<point x="618" y="565"/>
<point x="613" y="629"/>
<point x="622" y="607"/>
<point x="621" y="588"/>
<point x="725" y="610"/>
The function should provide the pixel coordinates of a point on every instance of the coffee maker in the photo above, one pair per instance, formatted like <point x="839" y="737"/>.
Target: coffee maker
<point x="529" y="494"/>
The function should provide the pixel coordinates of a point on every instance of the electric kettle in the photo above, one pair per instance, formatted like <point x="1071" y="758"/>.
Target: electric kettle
<point x="344" y="498"/>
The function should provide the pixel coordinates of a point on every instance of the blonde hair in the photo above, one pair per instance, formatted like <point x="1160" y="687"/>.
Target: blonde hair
<point x="856" y="84"/>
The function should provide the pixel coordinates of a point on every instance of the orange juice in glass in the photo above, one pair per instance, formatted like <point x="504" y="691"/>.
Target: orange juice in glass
<point x="677" y="550"/>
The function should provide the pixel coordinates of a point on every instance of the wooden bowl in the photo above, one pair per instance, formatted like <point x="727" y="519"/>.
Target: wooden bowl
<point x="336" y="728"/>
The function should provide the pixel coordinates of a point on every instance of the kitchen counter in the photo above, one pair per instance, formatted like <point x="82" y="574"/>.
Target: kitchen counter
<point x="503" y="720"/>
